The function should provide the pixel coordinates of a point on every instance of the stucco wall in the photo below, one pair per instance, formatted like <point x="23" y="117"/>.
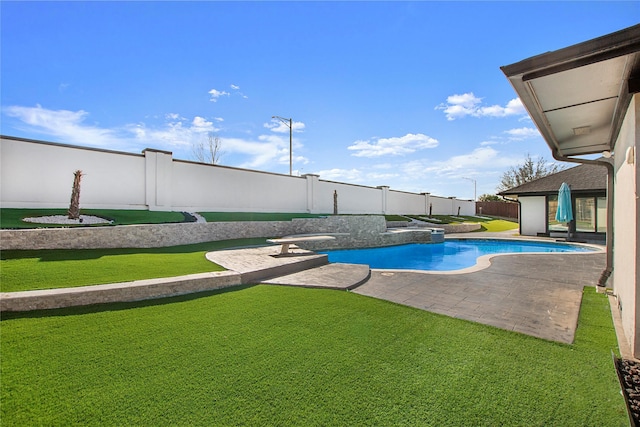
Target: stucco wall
<point x="36" y="174"/>
<point x="198" y="187"/>
<point x="533" y="218"/>
<point x="626" y="235"/>
<point x="41" y="175"/>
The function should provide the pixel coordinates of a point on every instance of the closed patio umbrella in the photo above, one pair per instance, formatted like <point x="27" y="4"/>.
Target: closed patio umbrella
<point x="564" y="214"/>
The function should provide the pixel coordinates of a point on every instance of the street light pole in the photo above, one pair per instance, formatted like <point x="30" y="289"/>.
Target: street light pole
<point x="475" y="197"/>
<point x="290" y="124"/>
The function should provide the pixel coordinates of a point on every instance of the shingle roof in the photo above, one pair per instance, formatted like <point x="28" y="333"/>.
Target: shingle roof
<point x="579" y="178"/>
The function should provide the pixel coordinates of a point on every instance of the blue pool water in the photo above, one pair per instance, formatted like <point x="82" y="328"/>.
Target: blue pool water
<point x="453" y="254"/>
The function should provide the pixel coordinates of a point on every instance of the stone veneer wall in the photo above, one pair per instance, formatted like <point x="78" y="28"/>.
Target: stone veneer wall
<point x="354" y="231"/>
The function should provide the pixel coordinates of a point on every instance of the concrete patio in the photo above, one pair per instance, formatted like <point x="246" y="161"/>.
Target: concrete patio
<point x="534" y="294"/>
<point x="538" y="295"/>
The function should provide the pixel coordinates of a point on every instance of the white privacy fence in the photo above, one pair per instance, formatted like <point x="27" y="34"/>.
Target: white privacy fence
<point x="36" y="174"/>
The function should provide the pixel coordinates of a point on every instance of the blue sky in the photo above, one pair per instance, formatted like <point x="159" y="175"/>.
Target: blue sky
<point x="404" y="94"/>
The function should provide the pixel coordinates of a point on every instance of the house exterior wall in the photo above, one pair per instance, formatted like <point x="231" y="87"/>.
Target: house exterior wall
<point x="626" y="230"/>
<point x="533" y="215"/>
<point x="36" y="174"/>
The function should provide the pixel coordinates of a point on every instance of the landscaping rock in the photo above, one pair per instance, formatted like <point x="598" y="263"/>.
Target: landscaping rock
<point x="629" y="375"/>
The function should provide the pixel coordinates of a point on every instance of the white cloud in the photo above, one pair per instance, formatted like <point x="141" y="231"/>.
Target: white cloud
<point x="467" y="104"/>
<point x="522" y="133"/>
<point x="481" y="160"/>
<point x="174" y="116"/>
<point x="279" y="126"/>
<point x="341" y="175"/>
<point x="236" y="88"/>
<point x="215" y="94"/>
<point x="381" y="177"/>
<point x="71" y="127"/>
<point x="66" y="125"/>
<point x="200" y="124"/>
<point x="395" y="146"/>
<point x="266" y="150"/>
<point x="174" y="133"/>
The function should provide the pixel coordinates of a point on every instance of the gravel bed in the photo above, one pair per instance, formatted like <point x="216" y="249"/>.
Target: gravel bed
<point x="629" y="374"/>
<point x="64" y="220"/>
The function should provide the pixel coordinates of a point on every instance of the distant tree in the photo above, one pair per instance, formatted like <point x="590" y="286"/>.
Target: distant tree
<point x="489" y="198"/>
<point x="526" y="172"/>
<point x="209" y="151"/>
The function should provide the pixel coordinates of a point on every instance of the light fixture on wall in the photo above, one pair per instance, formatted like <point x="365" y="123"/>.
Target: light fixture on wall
<point x="582" y="130"/>
<point x="631" y="155"/>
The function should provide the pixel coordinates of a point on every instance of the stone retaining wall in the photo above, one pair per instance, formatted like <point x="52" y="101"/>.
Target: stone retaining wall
<point x="352" y="231"/>
<point x="448" y="228"/>
<point x="387" y="238"/>
<point x="362" y="228"/>
<point x="117" y="292"/>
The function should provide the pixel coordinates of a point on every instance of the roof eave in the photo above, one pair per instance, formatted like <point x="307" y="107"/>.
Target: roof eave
<point x="521" y="75"/>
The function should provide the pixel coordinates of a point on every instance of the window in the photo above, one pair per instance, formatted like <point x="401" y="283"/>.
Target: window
<point x="552" y="207"/>
<point x="589" y="213"/>
<point x="585" y="214"/>
<point x="601" y="214"/>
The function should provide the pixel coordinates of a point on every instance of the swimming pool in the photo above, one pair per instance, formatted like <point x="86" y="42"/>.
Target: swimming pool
<point x="453" y="254"/>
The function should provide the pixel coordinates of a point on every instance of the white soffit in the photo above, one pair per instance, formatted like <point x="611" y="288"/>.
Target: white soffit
<point x="577" y="96"/>
<point x="579" y="85"/>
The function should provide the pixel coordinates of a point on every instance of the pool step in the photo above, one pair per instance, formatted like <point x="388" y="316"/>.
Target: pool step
<point x="330" y="276"/>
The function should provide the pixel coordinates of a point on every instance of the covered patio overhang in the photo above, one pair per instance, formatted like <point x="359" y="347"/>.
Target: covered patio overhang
<point x="578" y="97"/>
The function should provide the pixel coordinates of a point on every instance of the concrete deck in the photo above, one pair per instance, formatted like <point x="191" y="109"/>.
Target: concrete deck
<point x="534" y="294"/>
<point x="538" y="295"/>
<point x="298" y="267"/>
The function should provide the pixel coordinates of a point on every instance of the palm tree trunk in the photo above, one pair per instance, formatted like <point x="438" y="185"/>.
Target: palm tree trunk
<point x="74" y="207"/>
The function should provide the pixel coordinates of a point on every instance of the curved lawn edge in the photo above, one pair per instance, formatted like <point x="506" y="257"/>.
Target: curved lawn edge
<point x="137" y="290"/>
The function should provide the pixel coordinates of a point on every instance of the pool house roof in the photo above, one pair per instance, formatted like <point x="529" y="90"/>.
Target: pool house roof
<point x="583" y="178"/>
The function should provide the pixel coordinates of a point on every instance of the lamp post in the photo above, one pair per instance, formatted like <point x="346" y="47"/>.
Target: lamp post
<point x="474" y="187"/>
<point x="289" y="123"/>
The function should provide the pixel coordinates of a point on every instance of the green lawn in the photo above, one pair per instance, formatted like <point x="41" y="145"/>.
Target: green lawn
<point x="498" y="225"/>
<point x="48" y="269"/>
<point x="12" y="218"/>
<point x="255" y="216"/>
<point x="268" y="355"/>
<point x="486" y="223"/>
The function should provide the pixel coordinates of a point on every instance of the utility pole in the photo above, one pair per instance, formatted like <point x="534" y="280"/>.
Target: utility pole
<point x="475" y="195"/>
<point x="288" y="122"/>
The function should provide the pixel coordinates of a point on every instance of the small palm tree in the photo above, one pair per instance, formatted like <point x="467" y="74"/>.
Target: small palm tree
<point x="74" y="207"/>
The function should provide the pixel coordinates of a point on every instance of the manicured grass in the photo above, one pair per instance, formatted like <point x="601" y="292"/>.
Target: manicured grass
<point x="395" y="218"/>
<point x="255" y="216"/>
<point x="498" y="225"/>
<point x="268" y="355"/>
<point x="12" y="218"/>
<point x="48" y="269"/>
<point x="486" y="223"/>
